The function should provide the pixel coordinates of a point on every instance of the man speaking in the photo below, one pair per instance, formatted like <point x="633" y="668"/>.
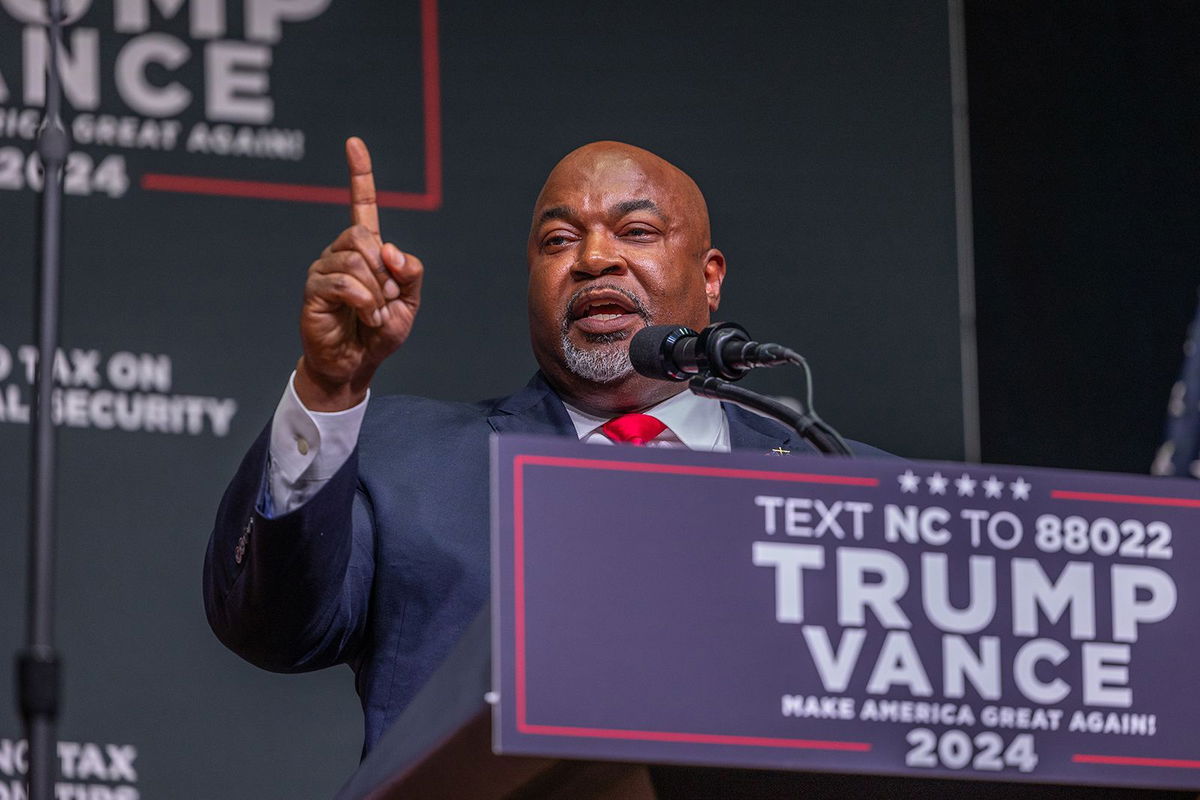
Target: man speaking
<point x="357" y="530"/>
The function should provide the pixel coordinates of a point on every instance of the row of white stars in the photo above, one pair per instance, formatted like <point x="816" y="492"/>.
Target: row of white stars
<point x="992" y="487"/>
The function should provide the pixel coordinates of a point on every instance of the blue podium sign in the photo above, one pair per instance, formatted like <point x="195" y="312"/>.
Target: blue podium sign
<point x="846" y="615"/>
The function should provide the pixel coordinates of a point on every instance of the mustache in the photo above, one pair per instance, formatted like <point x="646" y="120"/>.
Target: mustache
<point x="634" y="301"/>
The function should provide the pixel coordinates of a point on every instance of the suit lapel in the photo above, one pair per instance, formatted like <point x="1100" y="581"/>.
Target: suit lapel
<point x="749" y="431"/>
<point x="535" y="409"/>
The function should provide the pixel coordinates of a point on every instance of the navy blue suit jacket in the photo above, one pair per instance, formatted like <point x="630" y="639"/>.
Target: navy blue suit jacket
<point x="388" y="563"/>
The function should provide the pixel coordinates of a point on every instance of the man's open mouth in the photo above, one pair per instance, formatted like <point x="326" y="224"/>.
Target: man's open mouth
<point x="604" y="311"/>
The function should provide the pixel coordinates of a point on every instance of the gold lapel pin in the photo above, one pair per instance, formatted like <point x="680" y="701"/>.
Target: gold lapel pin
<point x="779" y="451"/>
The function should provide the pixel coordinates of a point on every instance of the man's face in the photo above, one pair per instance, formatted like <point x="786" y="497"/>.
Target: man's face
<point x="619" y="241"/>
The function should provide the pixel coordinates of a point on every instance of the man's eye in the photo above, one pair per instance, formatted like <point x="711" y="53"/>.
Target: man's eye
<point x="555" y="241"/>
<point x="639" y="233"/>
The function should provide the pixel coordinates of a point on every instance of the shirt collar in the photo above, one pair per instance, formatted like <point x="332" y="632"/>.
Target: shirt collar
<point x="694" y="421"/>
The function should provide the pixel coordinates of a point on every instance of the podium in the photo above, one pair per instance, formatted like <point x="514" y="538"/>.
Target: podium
<point x="827" y="627"/>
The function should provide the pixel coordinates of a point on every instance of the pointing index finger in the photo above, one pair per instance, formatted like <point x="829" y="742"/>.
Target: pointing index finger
<point x="363" y="210"/>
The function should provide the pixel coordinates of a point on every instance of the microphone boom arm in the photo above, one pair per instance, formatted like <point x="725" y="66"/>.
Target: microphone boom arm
<point x="810" y="428"/>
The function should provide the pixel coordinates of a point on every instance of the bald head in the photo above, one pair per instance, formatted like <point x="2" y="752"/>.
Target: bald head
<point x="619" y="241"/>
<point x="616" y="164"/>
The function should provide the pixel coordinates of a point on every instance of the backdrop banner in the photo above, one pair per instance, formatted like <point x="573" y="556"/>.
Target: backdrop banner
<point x="207" y="174"/>
<point x="849" y="615"/>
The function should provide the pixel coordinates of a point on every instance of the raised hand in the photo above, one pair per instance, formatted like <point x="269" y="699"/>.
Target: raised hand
<point x="360" y="300"/>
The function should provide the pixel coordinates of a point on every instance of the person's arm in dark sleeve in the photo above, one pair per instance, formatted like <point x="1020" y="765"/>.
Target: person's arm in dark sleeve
<point x="288" y="591"/>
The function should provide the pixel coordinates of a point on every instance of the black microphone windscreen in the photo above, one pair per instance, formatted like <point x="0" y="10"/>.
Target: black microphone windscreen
<point x="649" y="350"/>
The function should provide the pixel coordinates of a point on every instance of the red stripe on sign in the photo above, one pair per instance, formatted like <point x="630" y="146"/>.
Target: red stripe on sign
<point x="700" y="738"/>
<point x="428" y="200"/>
<point x="519" y="581"/>
<point x="712" y="472"/>
<point x="519" y="662"/>
<point x="1135" y="761"/>
<point x="1099" y="497"/>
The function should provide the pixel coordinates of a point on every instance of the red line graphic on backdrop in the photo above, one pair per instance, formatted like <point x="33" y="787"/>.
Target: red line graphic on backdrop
<point x="519" y="633"/>
<point x="428" y="200"/>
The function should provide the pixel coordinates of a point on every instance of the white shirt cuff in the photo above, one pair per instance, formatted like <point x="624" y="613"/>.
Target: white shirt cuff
<point x="308" y="447"/>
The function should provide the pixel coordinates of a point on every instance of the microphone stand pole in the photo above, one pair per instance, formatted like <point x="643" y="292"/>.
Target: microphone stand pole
<point x="820" y="435"/>
<point x="38" y="664"/>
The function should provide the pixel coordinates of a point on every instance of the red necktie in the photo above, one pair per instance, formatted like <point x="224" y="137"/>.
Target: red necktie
<point x="635" y="429"/>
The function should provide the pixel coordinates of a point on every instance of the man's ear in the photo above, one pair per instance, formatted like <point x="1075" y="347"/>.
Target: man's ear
<point x="714" y="275"/>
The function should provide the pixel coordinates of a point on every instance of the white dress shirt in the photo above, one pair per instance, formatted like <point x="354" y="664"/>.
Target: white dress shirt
<point x="308" y="447"/>
<point x="692" y="422"/>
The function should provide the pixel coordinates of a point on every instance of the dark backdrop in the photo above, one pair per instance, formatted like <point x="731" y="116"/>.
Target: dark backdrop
<point x="1085" y="119"/>
<point x="820" y="132"/>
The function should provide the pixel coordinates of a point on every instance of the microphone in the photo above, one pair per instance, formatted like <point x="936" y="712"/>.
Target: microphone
<point x="723" y="349"/>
